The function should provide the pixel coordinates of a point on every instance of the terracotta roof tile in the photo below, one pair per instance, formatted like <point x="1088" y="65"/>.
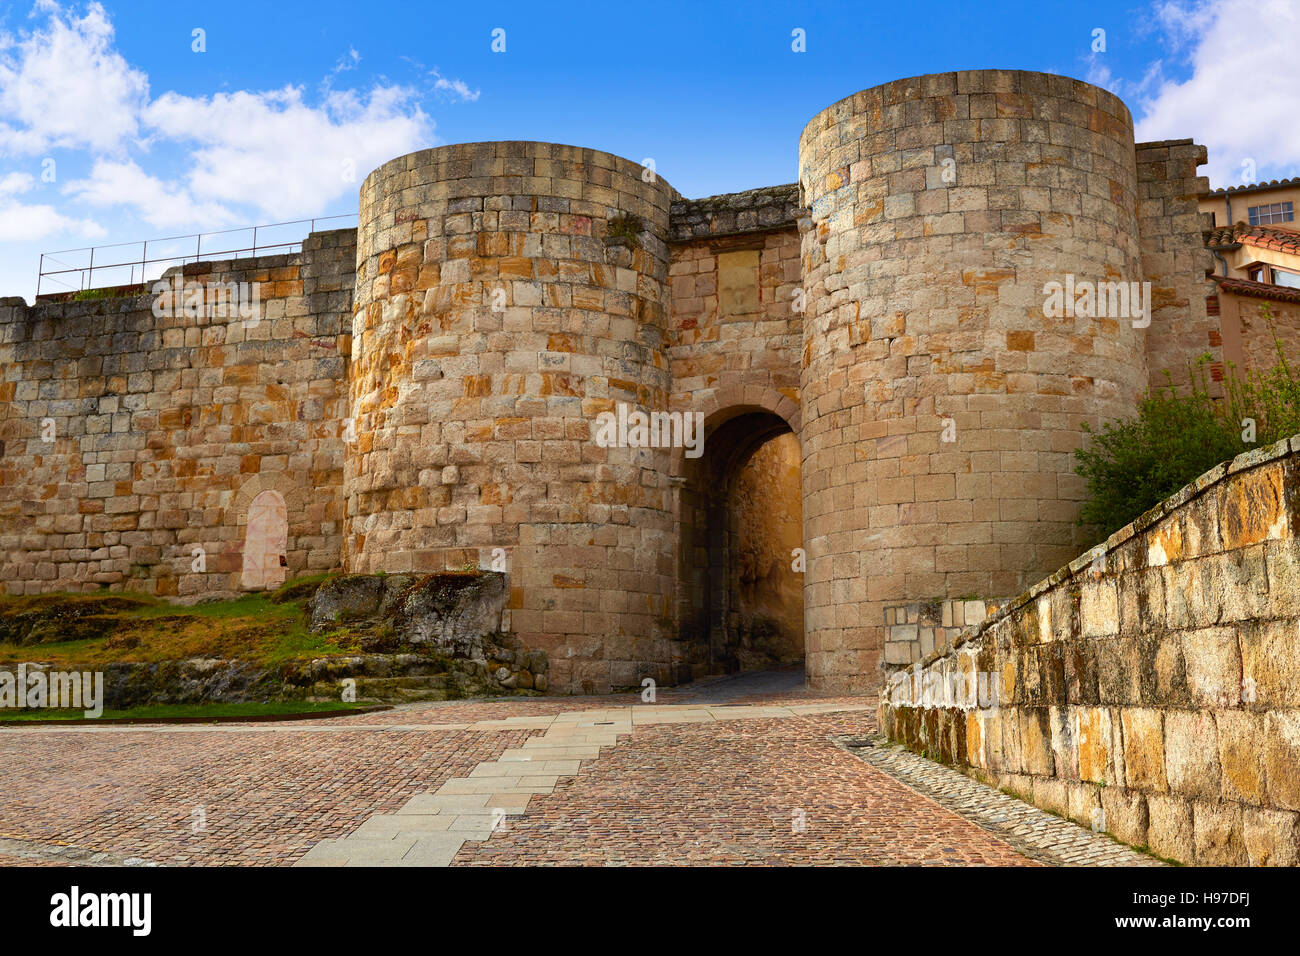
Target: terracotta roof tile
<point x="1261" y="237"/>
<point x="1257" y="290"/>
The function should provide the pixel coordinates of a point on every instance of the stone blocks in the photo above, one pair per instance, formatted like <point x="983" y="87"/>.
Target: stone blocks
<point x="1191" y="730"/>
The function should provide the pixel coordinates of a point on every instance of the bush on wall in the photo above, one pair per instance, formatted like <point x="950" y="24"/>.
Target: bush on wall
<point x="1132" y="465"/>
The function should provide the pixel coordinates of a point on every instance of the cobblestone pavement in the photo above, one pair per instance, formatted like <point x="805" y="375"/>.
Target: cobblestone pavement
<point x="218" y="795"/>
<point x="749" y="789"/>
<point x="1032" y="831"/>
<point x="731" y="771"/>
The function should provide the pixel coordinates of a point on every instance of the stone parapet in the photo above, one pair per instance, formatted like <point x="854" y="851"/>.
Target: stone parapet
<point x="754" y="210"/>
<point x="1151" y="688"/>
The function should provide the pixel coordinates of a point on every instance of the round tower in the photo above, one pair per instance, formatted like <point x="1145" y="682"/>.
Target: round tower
<point x="497" y="314"/>
<point x="944" y="387"/>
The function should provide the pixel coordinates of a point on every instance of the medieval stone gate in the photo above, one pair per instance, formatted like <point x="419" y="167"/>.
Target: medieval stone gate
<point x="434" y="408"/>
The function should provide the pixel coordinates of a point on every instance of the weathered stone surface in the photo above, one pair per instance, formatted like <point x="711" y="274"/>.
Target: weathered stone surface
<point x="1144" y="748"/>
<point x="1271" y="837"/>
<point x="1099" y="609"/>
<point x="1213" y="667"/>
<point x="456" y="615"/>
<point x="352" y="598"/>
<point x="1251" y="509"/>
<point x="1282" y="757"/>
<point x="196" y="680"/>
<point x="1052" y="795"/>
<point x="1126" y="815"/>
<point x="1094" y="741"/>
<point x="1218" y="834"/>
<point x="1170" y="830"/>
<point x="1119" y="671"/>
<point x="1036" y="742"/>
<point x="1241" y="755"/>
<point x="1270" y="663"/>
<point x="1192" y="753"/>
<point x="1085" y="805"/>
<point x="1186" y="723"/>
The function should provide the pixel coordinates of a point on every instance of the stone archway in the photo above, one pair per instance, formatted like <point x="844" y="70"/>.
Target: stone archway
<point x="266" y="541"/>
<point x="739" y="599"/>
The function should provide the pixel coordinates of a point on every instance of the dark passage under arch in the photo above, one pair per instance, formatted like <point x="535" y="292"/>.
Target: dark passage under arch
<point x="740" y="601"/>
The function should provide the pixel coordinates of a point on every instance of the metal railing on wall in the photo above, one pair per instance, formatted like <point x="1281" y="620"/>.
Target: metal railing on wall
<point x="131" y="270"/>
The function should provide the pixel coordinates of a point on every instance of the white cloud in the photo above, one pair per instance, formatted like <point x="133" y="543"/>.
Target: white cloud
<point x="20" y="222"/>
<point x="454" y="89"/>
<point x="16" y="183"/>
<point x="63" y="85"/>
<point x="284" y="158"/>
<point x="112" y="184"/>
<point x="348" y="61"/>
<point x="231" y="158"/>
<point x="1240" y="98"/>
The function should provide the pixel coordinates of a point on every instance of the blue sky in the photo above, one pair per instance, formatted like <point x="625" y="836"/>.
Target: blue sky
<point x="290" y="105"/>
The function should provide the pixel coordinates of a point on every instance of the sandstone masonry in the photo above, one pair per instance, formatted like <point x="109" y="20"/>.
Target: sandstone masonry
<point x="420" y="393"/>
<point x="1151" y="689"/>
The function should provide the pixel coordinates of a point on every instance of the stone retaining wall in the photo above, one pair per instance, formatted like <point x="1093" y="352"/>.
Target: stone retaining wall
<point x="1150" y="689"/>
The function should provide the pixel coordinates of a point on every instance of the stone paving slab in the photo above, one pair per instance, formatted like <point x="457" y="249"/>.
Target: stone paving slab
<point x="388" y="826"/>
<point x="224" y="796"/>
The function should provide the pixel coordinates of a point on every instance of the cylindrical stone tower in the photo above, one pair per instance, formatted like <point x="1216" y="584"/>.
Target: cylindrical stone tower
<point x="493" y="324"/>
<point x="942" y="394"/>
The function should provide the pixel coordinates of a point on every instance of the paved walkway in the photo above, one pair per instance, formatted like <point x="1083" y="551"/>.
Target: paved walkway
<point x="737" y="771"/>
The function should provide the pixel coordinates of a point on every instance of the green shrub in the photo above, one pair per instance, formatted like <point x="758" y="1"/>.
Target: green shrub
<point x="1132" y="465"/>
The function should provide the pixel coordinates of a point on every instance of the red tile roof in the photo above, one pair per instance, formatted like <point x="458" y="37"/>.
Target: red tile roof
<point x="1261" y="237"/>
<point x="1257" y="290"/>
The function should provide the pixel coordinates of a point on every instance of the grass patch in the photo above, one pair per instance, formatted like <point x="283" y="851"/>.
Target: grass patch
<point x="189" y="711"/>
<point x="88" y="631"/>
<point x="1147" y="851"/>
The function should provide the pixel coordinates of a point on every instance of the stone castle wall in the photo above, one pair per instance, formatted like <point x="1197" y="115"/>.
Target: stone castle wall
<point x="164" y="430"/>
<point x="422" y="393"/>
<point x="1151" y="689"/>
<point x="734" y="339"/>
